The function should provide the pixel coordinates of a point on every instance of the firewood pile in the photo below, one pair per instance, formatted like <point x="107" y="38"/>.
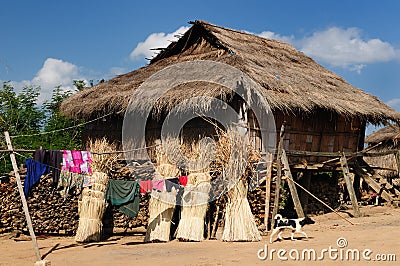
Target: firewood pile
<point x="325" y="188"/>
<point x="50" y="213"/>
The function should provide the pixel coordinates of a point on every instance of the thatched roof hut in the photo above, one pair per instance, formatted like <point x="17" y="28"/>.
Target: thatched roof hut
<point x="291" y="81"/>
<point x="387" y="138"/>
<point x="324" y="112"/>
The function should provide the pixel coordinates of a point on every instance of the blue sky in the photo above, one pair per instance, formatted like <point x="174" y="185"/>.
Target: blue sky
<point x="50" y="43"/>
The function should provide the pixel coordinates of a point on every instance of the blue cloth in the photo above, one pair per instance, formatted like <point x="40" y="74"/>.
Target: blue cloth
<point x="34" y="171"/>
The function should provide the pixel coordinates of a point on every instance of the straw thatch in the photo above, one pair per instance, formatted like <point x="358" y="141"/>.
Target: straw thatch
<point x="387" y="138"/>
<point x="288" y="79"/>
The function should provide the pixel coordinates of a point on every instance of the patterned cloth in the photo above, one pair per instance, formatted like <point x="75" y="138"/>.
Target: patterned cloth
<point x="77" y="161"/>
<point x="70" y="183"/>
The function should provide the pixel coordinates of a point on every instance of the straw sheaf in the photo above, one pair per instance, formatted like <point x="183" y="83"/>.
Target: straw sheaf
<point x="289" y="80"/>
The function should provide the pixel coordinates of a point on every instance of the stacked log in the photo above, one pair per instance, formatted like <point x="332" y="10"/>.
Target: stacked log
<point x="326" y="188"/>
<point x="50" y="213"/>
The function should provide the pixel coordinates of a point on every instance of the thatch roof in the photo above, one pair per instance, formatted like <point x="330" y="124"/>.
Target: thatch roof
<point x="389" y="136"/>
<point x="289" y="80"/>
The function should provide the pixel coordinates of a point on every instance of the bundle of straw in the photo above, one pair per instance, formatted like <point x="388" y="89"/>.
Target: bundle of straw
<point x="161" y="210"/>
<point x="196" y="193"/>
<point x="193" y="213"/>
<point x="239" y="221"/>
<point x="91" y="210"/>
<point x="161" y="204"/>
<point x="103" y="159"/>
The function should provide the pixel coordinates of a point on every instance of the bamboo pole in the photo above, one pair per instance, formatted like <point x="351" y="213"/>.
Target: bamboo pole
<point x="22" y="195"/>
<point x="398" y="162"/>
<point x="292" y="187"/>
<point x="349" y="185"/>
<point x="268" y="189"/>
<point x="278" y="175"/>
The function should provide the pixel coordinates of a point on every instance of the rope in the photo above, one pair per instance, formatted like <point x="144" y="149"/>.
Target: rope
<point x="62" y="129"/>
<point x="326" y="205"/>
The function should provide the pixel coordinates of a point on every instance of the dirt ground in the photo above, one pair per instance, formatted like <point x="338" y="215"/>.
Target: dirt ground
<point x="378" y="230"/>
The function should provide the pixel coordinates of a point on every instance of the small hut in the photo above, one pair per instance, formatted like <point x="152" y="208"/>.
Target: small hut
<point x="323" y="113"/>
<point x="385" y="139"/>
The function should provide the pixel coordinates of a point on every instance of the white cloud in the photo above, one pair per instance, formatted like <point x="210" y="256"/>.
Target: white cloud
<point x="347" y="48"/>
<point x="395" y="103"/>
<point x="54" y="72"/>
<point x="155" y="40"/>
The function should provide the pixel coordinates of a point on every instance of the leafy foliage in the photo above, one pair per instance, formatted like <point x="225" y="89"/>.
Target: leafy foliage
<point x="21" y="115"/>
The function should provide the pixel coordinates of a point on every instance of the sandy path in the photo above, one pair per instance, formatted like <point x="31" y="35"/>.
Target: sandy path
<point x="379" y="231"/>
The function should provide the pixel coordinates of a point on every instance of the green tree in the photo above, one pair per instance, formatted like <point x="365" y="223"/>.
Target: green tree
<point x="20" y="115"/>
<point x="70" y="138"/>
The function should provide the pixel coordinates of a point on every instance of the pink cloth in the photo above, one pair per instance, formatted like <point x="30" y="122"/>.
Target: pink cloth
<point x="77" y="161"/>
<point x="77" y="157"/>
<point x="158" y="184"/>
<point x="145" y="186"/>
<point x="68" y="162"/>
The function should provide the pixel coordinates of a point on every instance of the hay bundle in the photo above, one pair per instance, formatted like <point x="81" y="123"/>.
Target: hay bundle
<point x="239" y="221"/>
<point x="92" y="206"/>
<point x="161" y="210"/>
<point x="103" y="159"/>
<point x="194" y="208"/>
<point x="91" y="210"/>
<point x="162" y="203"/>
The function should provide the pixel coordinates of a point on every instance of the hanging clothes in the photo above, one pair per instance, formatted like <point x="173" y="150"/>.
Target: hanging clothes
<point x="125" y="195"/>
<point x="70" y="183"/>
<point x="87" y="159"/>
<point x="183" y="180"/>
<point x="172" y="183"/>
<point x="158" y="184"/>
<point x="51" y="158"/>
<point x="145" y="186"/>
<point x="34" y="171"/>
<point x="67" y="162"/>
<point x="76" y="161"/>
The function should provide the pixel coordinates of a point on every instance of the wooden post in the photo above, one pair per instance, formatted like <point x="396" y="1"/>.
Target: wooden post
<point x="22" y="195"/>
<point x="292" y="187"/>
<point x="278" y="176"/>
<point x="349" y="185"/>
<point x="398" y="162"/>
<point x="268" y="189"/>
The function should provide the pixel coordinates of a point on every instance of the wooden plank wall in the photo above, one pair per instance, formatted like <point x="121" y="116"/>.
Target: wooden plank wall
<point x="321" y="131"/>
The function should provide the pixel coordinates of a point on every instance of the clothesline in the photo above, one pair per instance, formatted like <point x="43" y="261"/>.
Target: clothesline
<point x="61" y="129"/>
<point x="92" y="152"/>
